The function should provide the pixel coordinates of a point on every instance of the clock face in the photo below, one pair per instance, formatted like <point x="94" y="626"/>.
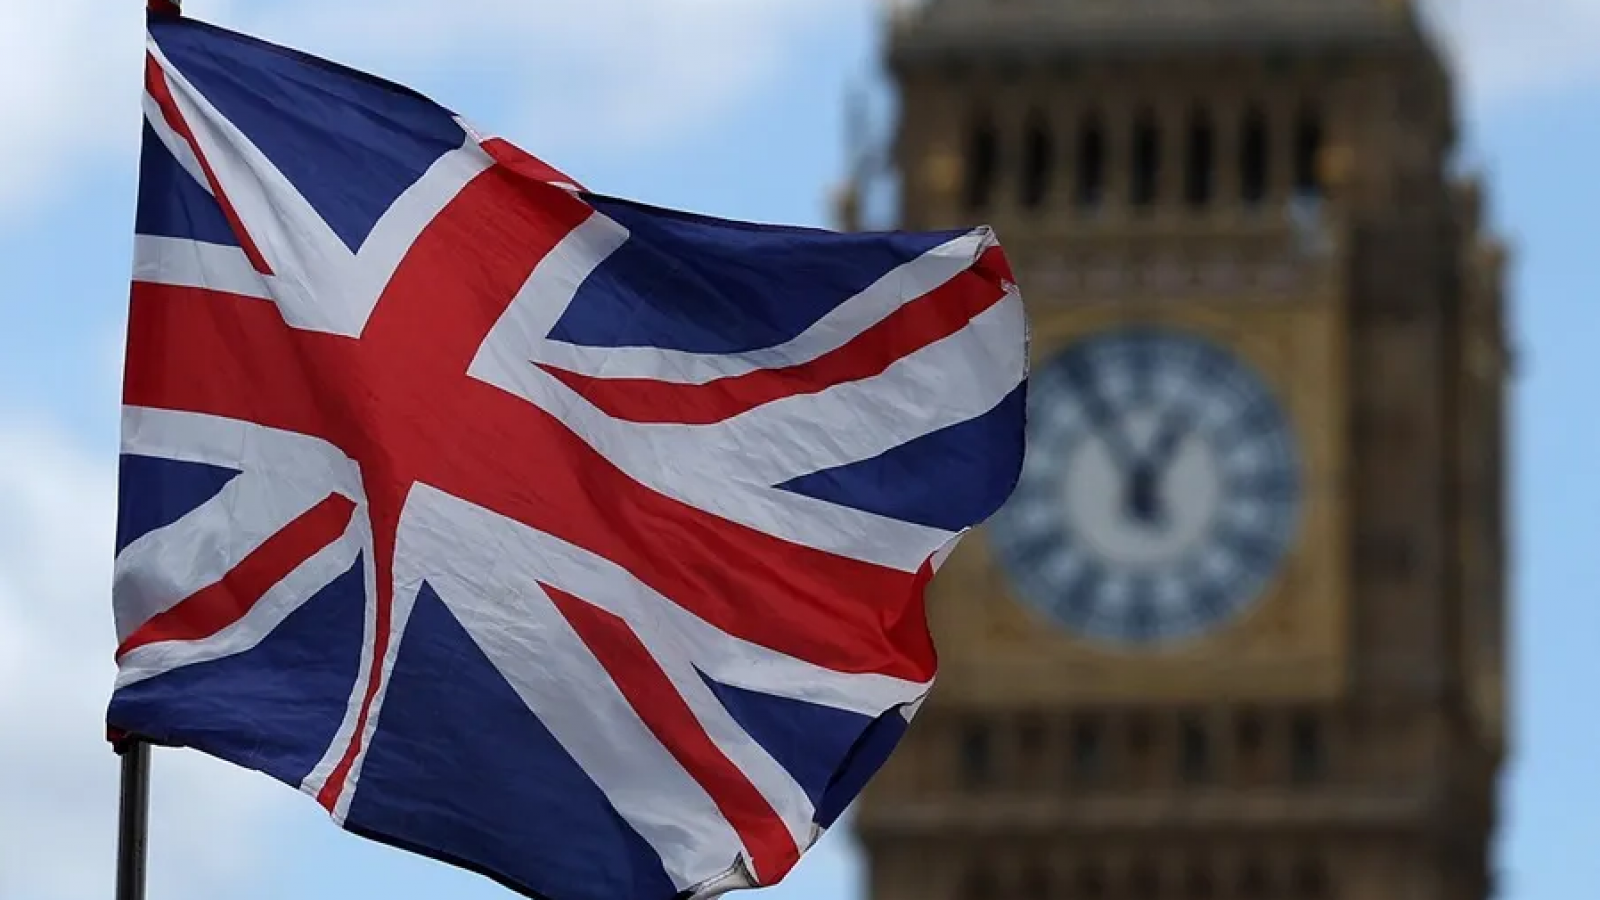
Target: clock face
<point x="1160" y="493"/>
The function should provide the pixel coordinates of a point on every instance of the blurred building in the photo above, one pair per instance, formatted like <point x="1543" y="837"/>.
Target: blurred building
<point x="1241" y="631"/>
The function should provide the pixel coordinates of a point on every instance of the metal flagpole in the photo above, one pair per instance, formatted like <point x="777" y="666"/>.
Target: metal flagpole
<point x="133" y="819"/>
<point x="133" y="808"/>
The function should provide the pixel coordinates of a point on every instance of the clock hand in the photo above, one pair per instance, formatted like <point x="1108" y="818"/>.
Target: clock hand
<point x="1178" y="418"/>
<point x="1174" y="425"/>
<point x="1144" y="501"/>
<point x="1100" y="412"/>
<point x="1109" y="426"/>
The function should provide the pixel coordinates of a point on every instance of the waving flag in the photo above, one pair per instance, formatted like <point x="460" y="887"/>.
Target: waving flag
<point x="576" y="542"/>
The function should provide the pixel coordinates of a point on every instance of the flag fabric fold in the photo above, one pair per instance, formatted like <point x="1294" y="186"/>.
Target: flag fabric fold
<point x="565" y="539"/>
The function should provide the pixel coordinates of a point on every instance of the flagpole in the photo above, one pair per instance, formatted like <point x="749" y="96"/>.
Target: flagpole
<point x="133" y="807"/>
<point x="133" y="819"/>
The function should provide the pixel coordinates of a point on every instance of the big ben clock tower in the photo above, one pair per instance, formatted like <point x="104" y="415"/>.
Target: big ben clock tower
<point x="1239" y="632"/>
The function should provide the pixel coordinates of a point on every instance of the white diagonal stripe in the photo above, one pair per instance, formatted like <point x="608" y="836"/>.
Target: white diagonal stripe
<point x="712" y="468"/>
<point x="464" y="550"/>
<point x="576" y="700"/>
<point x="727" y="468"/>
<point x="403" y="222"/>
<point x="314" y="267"/>
<point x="405" y="600"/>
<point x="277" y="604"/>
<point x="544" y="297"/>
<point x="174" y="142"/>
<point x="282" y="475"/>
<point x="895" y="289"/>
<point x="319" y="283"/>
<point x="524" y="554"/>
<point x="945" y="383"/>
<point x="314" y="781"/>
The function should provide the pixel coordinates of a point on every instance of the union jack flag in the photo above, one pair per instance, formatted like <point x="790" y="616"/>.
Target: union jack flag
<point x="572" y="541"/>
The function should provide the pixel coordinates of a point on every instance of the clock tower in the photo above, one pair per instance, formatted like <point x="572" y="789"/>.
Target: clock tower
<point x="1240" y="631"/>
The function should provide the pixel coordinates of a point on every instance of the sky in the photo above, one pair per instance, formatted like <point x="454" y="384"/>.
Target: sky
<point x="730" y="107"/>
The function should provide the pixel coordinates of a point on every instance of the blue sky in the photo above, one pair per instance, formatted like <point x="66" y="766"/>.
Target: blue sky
<point x="724" y="106"/>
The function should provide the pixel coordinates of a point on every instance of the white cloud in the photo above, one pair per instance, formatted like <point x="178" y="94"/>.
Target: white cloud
<point x="581" y="75"/>
<point x="1508" y="50"/>
<point x="68" y="90"/>
<point x="58" y="776"/>
<point x="600" y="76"/>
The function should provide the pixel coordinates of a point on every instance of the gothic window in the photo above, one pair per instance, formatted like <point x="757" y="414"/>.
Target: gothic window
<point x="1087" y="749"/>
<point x="977" y="757"/>
<point x="1038" y="158"/>
<point x="1139" y="735"/>
<point x="1194" y="751"/>
<point x="1251" y="763"/>
<point x="982" y="163"/>
<point x="1031" y="736"/>
<point x="1146" y="160"/>
<point x="1249" y="734"/>
<point x="1091" y="187"/>
<point x="1307" y="153"/>
<point x="1308" y="755"/>
<point x="1199" y="160"/>
<point x="1253" y="157"/>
